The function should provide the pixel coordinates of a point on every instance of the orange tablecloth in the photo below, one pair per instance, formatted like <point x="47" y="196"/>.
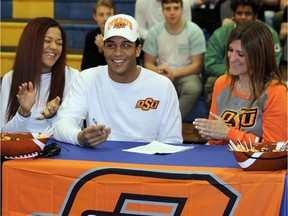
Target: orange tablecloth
<point x="71" y="187"/>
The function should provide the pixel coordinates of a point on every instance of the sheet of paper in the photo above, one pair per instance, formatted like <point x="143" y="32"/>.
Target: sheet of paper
<point x="156" y="147"/>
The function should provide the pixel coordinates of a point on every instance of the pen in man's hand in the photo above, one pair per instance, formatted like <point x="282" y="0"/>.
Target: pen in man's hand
<point x="96" y="123"/>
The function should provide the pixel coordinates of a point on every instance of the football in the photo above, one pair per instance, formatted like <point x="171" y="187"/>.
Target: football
<point x="264" y="157"/>
<point x="21" y="145"/>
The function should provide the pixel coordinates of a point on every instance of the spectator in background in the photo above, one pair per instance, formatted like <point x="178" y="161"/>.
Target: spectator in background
<point x="250" y="101"/>
<point x="283" y="38"/>
<point x="32" y="92"/>
<point x="227" y="14"/>
<point x="270" y="7"/>
<point x="214" y="58"/>
<point x="175" y="48"/>
<point x="206" y="14"/>
<point x="278" y="16"/>
<point x="93" y="49"/>
<point x="149" y="13"/>
<point x="138" y="104"/>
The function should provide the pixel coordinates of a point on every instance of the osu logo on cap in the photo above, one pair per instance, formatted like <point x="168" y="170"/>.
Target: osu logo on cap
<point x="120" y="23"/>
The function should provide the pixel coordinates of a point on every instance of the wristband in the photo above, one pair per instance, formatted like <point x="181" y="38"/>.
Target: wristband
<point x="20" y="111"/>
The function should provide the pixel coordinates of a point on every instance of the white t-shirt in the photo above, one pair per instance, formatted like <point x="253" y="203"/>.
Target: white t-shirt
<point x="144" y="110"/>
<point x="29" y="124"/>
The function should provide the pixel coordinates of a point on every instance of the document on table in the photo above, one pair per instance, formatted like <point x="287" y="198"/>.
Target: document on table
<point x="156" y="147"/>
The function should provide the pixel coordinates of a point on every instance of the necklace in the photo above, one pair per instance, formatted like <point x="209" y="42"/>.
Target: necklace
<point x="243" y="90"/>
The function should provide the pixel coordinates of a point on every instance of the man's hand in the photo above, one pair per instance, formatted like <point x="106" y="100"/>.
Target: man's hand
<point x="93" y="135"/>
<point x="166" y="71"/>
<point x="227" y="21"/>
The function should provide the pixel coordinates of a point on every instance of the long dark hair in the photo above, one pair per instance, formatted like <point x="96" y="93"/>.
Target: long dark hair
<point x="28" y="62"/>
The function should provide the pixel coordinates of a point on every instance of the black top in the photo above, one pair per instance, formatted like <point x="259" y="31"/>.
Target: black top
<point x="285" y="15"/>
<point x="91" y="55"/>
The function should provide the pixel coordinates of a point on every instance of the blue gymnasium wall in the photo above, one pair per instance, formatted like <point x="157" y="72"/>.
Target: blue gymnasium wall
<point x="6" y="9"/>
<point x="83" y="9"/>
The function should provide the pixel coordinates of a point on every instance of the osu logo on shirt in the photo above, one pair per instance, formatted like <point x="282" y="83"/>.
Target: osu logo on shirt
<point x="246" y="118"/>
<point x="147" y="104"/>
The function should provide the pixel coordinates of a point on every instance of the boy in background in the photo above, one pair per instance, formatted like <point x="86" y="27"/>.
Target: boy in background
<point x="175" y="49"/>
<point x="93" y="48"/>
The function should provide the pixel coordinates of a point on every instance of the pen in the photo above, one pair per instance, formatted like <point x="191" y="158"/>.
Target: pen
<point x="96" y="123"/>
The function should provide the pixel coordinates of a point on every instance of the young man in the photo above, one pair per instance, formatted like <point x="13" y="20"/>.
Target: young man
<point x="93" y="49"/>
<point x="214" y="59"/>
<point x="149" y="13"/>
<point x="138" y="104"/>
<point x="175" y="48"/>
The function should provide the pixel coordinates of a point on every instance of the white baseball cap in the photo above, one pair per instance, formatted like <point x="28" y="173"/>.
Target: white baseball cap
<point x="122" y="25"/>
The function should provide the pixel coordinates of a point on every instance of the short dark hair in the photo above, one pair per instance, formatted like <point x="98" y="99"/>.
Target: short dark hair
<point x="172" y="1"/>
<point x="256" y="5"/>
<point x="137" y="42"/>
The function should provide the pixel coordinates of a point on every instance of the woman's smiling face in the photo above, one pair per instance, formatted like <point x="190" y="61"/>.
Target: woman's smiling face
<point x="237" y="60"/>
<point x="52" y="48"/>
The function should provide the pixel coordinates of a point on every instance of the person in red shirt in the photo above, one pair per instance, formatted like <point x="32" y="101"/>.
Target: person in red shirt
<point x="249" y="103"/>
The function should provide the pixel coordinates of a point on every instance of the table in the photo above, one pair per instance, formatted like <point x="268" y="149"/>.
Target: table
<point x="108" y="181"/>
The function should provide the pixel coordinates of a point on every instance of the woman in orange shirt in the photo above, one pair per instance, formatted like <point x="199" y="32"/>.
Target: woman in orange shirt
<point x="249" y="102"/>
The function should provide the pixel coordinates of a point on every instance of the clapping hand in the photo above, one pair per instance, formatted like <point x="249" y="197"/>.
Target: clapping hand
<point x="50" y="109"/>
<point x="212" y="129"/>
<point x="26" y="98"/>
<point x="99" y="42"/>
